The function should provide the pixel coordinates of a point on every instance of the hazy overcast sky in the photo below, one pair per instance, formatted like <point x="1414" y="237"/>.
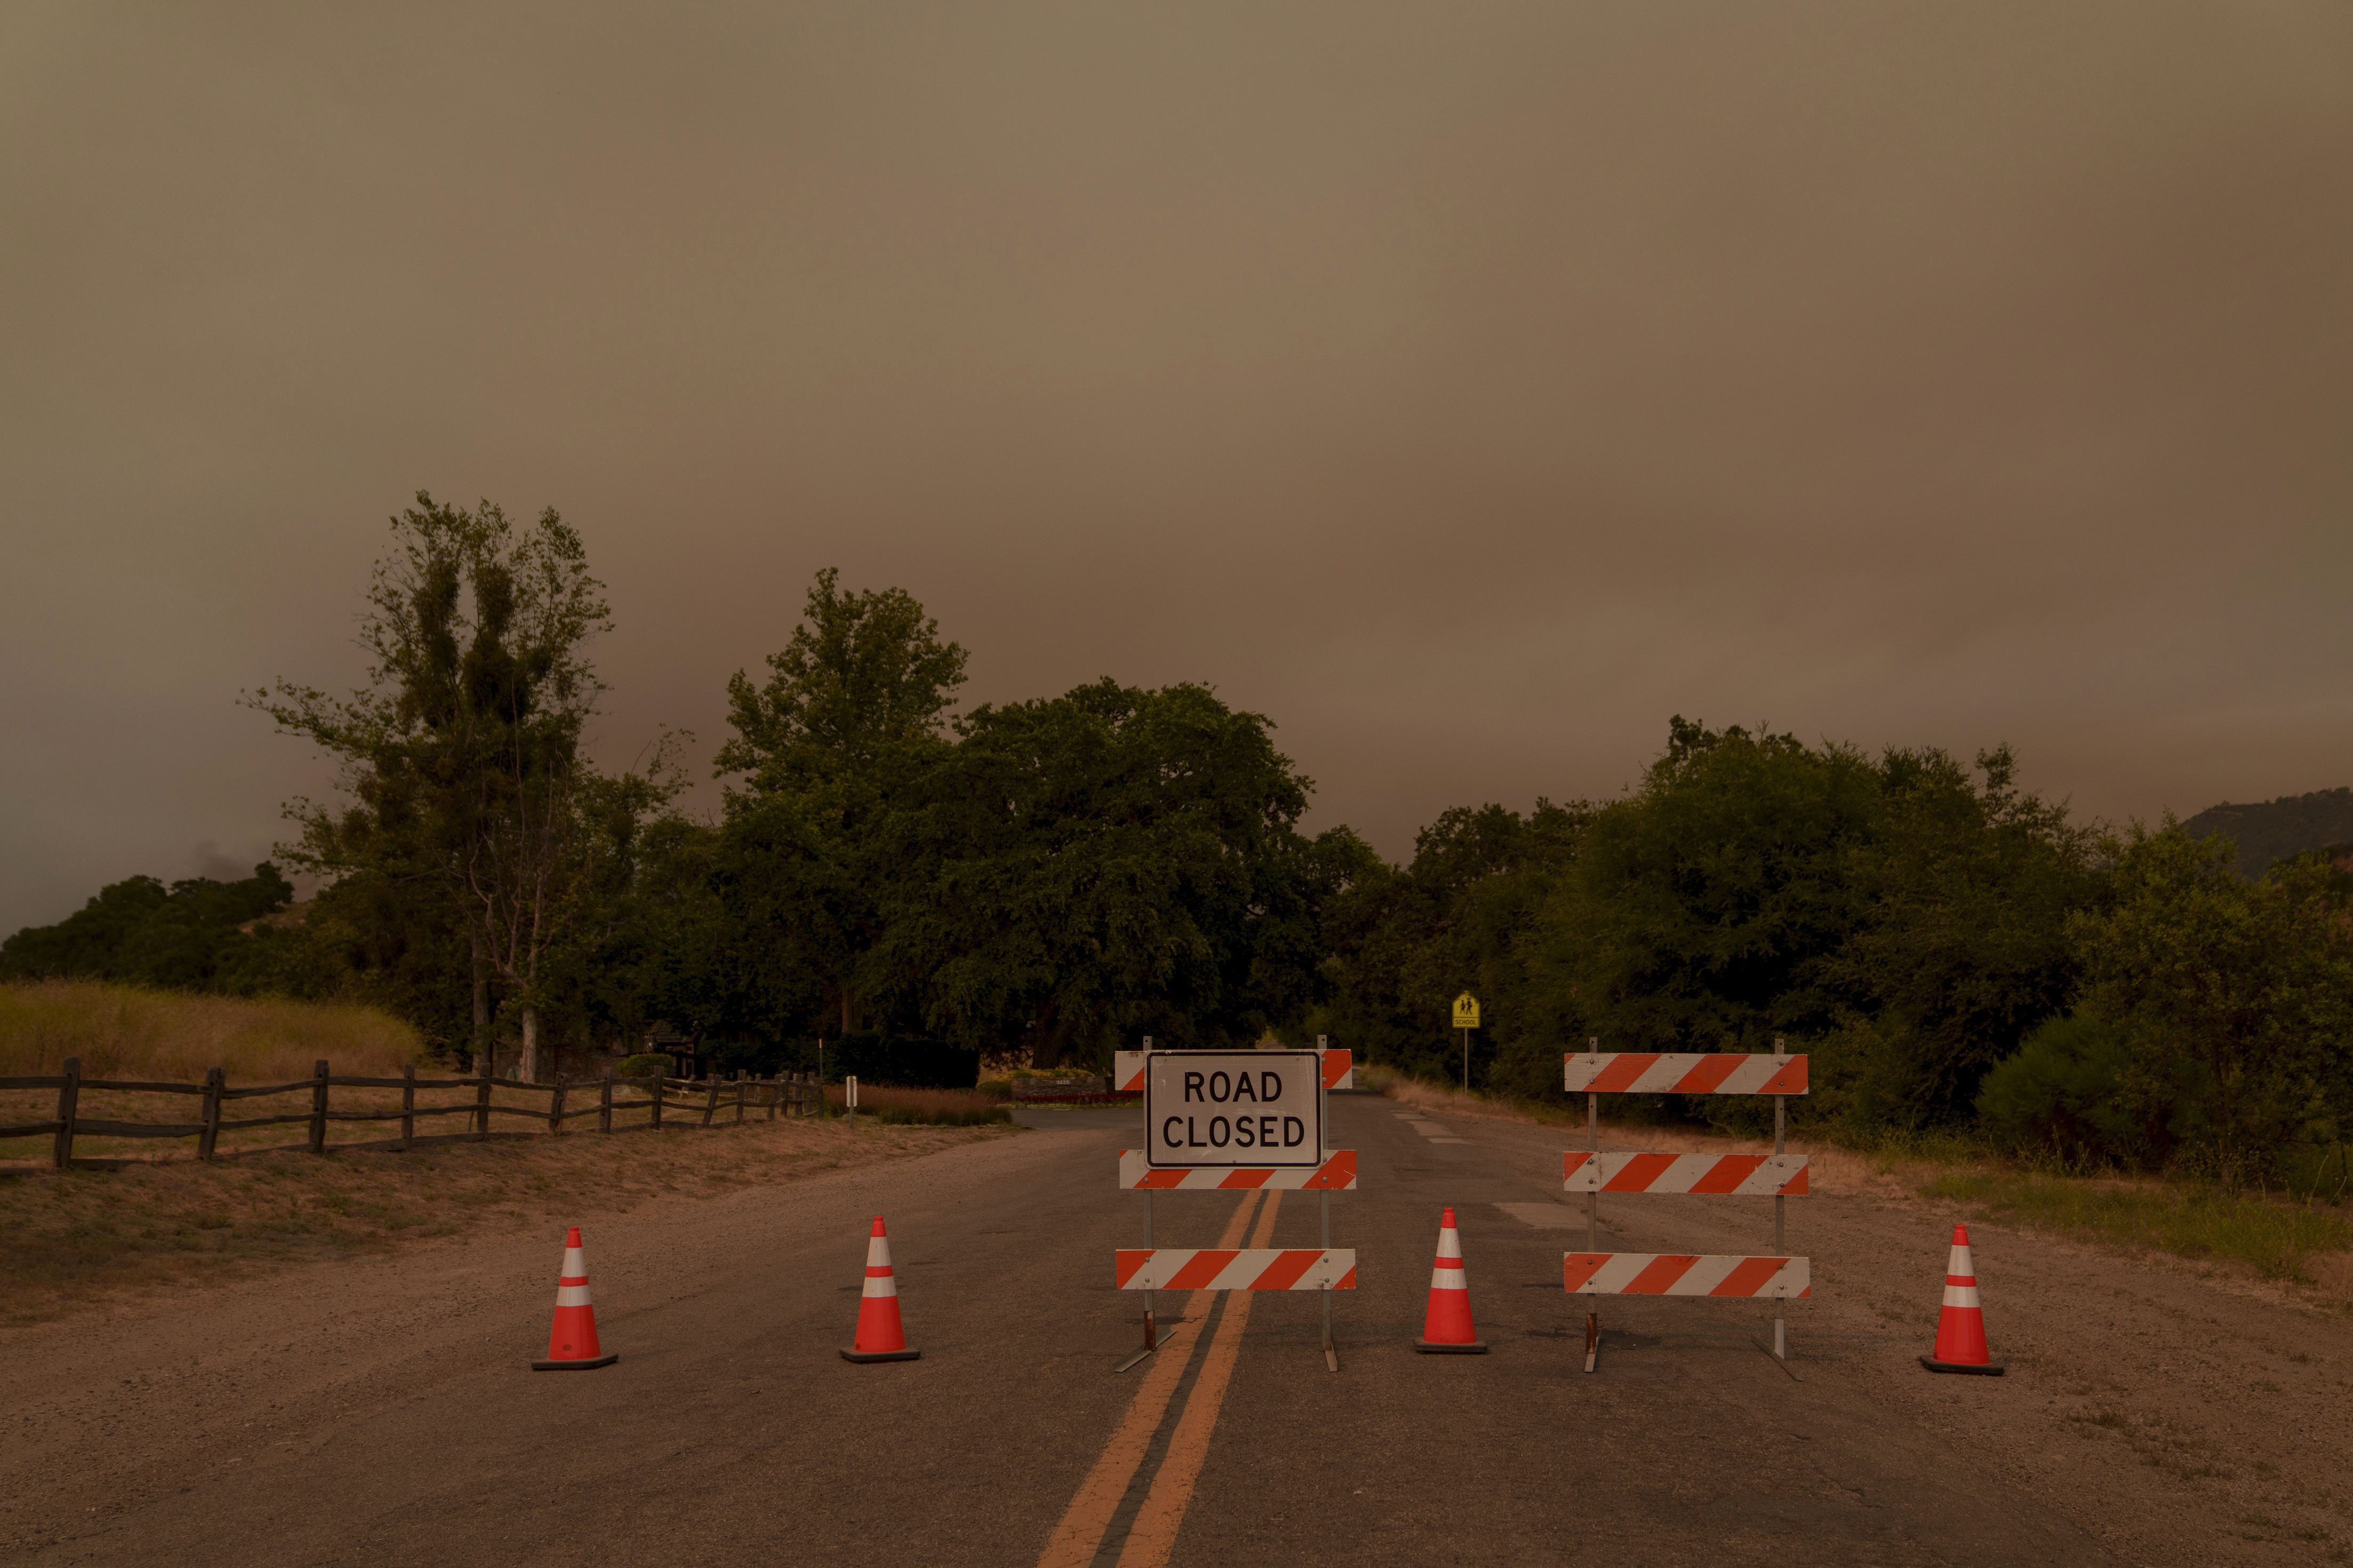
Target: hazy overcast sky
<point x="1466" y="386"/>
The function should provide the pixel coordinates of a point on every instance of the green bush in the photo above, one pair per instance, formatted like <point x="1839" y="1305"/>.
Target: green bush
<point x="2067" y="1093"/>
<point x="997" y="1087"/>
<point x="645" y="1064"/>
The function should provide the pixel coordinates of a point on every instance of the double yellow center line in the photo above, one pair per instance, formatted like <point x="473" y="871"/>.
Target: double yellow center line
<point x="1152" y="1535"/>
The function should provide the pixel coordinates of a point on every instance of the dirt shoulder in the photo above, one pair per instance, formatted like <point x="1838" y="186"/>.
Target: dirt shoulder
<point x="2185" y="1412"/>
<point x="85" y="1241"/>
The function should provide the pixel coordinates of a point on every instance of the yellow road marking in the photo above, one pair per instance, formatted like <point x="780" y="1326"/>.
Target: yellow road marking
<point x="1153" y="1536"/>
<point x="1076" y="1540"/>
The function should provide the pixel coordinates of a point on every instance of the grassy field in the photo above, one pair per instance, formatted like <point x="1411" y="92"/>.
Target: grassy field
<point x="124" y="1031"/>
<point x="2278" y="1238"/>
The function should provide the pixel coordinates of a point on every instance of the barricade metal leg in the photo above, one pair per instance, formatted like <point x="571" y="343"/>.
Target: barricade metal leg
<point x="1780" y="1146"/>
<point x="1151" y="1341"/>
<point x="1323" y="1116"/>
<point x="1593" y="1222"/>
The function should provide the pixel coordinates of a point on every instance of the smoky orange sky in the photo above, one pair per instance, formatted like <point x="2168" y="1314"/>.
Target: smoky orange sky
<point x="1467" y="387"/>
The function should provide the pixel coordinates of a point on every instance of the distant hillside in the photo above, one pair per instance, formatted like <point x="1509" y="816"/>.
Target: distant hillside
<point x="2279" y="828"/>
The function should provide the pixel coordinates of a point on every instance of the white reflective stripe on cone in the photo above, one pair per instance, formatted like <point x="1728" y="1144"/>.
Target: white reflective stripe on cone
<point x="880" y="1284"/>
<point x="1958" y="1294"/>
<point x="571" y="1296"/>
<point x="576" y="1260"/>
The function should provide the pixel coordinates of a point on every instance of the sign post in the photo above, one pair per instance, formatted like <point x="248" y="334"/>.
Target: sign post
<point x="1466" y="1019"/>
<point x="1236" y="1122"/>
<point x="849" y="1101"/>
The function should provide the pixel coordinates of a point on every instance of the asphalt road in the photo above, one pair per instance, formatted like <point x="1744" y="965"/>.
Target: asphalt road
<point x="380" y="1412"/>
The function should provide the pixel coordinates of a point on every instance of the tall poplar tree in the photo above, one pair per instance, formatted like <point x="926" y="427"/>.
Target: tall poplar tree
<point x="460" y="756"/>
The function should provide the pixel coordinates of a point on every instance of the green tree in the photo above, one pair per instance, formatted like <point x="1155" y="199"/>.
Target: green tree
<point x="831" y="749"/>
<point x="1702" y="911"/>
<point x="461" y="755"/>
<point x="1967" y="888"/>
<point x="190" y="936"/>
<point x="1106" y="864"/>
<point x="1404" y="942"/>
<point x="2249" y="984"/>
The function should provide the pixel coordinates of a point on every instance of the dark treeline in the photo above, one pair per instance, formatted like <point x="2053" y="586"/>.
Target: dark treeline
<point x="1065" y="875"/>
<point x="1948" y="950"/>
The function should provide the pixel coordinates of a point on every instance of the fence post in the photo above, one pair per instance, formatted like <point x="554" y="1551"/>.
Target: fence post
<point x="68" y="1097"/>
<point x="555" y="1107"/>
<point x="318" y="1109"/>
<point x="711" y="1101"/>
<point x="482" y="1100"/>
<point x="605" y="1100"/>
<point x="214" y="1081"/>
<point x="739" y="1095"/>
<point x="776" y="1092"/>
<point x="407" y="1105"/>
<point x="659" y="1075"/>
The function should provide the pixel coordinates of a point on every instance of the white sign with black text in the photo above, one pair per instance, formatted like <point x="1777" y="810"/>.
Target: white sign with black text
<point x="1233" y="1108"/>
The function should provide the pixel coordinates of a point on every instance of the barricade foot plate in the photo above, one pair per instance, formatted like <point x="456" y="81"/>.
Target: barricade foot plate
<point x="1134" y="1356"/>
<point x="575" y="1365"/>
<point x="1991" y="1369"/>
<point x="881" y="1356"/>
<point x="1428" y="1347"/>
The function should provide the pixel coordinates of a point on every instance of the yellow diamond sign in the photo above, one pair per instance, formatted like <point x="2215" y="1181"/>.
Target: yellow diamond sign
<point x="1466" y="1011"/>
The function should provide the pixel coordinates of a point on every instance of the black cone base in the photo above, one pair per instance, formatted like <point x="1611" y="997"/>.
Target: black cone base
<point x="1991" y="1369"/>
<point x="1428" y="1347"/>
<point x="881" y="1356"/>
<point x="592" y="1363"/>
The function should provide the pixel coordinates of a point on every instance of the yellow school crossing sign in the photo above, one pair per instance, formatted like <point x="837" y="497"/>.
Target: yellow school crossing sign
<point x="1466" y="1011"/>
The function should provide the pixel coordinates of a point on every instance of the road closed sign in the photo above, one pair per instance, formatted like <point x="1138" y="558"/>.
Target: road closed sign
<point x="1206" y="1108"/>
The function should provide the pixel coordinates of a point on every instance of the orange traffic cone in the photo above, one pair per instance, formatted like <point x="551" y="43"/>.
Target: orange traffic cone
<point x="1961" y="1328"/>
<point x="572" y="1343"/>
<point x="880" y="1335"/>
<point x="1447" y="1330"/>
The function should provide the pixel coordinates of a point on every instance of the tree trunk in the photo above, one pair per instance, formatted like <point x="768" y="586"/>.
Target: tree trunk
<point x="481" y="1002"/>
<point x="845" y="1009"/>
<point x="531" y="1045"/>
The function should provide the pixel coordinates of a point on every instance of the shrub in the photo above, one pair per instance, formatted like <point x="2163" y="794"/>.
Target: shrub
<point x="2065" y="1092"/>
<point x="646" y="1064"/>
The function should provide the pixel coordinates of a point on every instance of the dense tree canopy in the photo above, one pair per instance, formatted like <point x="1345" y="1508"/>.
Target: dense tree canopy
<point x="189" y="936"/>
<point x="1063" y="875"/>
<point x="1104" y="865"/>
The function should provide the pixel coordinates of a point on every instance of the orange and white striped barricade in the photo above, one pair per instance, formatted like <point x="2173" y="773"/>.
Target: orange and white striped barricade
<point x="1339" y="1065"/>
<point x="1233" y="1122"/>
<point x="1686" y="1274"/>
<point x="1779" y="1176"/>
<point x="1337" y="1174"/>
<point x="1236" y="1268"/>
<point x="1708" y="1175"/>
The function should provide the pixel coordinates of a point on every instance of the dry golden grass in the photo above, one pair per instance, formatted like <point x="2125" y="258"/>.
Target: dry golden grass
<point x="128" y="1032"/>
<point x="79" y="1238"/>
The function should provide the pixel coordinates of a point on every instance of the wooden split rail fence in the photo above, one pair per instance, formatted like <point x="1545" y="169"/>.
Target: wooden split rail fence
<point x="700" y="1103"/>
